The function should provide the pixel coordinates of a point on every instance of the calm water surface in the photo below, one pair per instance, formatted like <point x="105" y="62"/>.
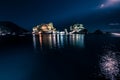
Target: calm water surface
<point x="60" y="57"/>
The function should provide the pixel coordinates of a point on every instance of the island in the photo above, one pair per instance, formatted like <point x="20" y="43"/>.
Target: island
<point x="50" y="29"/>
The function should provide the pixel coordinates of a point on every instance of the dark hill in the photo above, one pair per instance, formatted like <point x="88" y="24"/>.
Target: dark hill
<point x="7" y="26"/>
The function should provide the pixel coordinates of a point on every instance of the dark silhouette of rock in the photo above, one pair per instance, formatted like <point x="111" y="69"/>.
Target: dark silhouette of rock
<point x="10" y="27"/>
<point x="85" y="31"/>
<point x="98" y="32"/>
<point x="108" y="32"/>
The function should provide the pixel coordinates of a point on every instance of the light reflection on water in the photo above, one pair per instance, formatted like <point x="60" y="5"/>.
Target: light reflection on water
<point x="79" y="43"/>
<point x="71" y="57"/>
<point x="109" y="65"/>
<point x="53" y="41"/>
<point x="35" y="42"/>
<point x="77" y="40"/>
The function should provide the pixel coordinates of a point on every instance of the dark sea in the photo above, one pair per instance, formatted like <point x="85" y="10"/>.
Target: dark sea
<point x="60" y="57"/>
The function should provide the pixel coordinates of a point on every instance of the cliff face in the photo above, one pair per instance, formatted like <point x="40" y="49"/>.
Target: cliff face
<point x="6" y="26"/>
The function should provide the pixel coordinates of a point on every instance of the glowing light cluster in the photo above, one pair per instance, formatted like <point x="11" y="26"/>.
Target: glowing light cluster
<point x="109" y="65"/>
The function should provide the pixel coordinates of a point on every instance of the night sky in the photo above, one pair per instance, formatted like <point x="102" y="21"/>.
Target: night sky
<point x="63" y="13"/>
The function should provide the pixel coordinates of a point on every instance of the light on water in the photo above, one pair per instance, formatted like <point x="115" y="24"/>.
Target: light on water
<point x="72" y="55"/>
<point x="58" y="41"/>
<point x="61" y="57"/>
<point x="109" y="65"/>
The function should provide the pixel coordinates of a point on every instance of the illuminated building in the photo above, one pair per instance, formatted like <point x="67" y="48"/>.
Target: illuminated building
<point x="76" y="28"/>
<point x="48" y="28"/>
<point x="35" y="29"/>
<point x="44" y="28"/>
